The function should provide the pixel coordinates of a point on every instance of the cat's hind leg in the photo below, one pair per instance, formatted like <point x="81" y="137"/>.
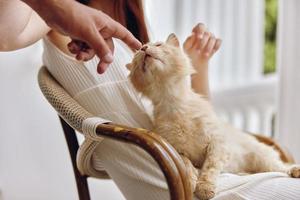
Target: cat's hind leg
<point x="266" y="159"/>
<point x="294" y="171"/>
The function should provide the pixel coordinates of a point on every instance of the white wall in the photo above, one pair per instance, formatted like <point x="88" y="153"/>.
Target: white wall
<point x="34" y="162"/>
<point x="289" y="63"/>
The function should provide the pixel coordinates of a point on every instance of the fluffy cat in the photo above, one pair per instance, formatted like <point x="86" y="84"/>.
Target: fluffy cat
<point x="188" y="122"/>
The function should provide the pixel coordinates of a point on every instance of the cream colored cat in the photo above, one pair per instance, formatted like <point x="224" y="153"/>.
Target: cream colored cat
<point x="187" y="121"/>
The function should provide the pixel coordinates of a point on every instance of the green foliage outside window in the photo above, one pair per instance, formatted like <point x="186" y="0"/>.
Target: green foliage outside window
<point x="270" y="36"/>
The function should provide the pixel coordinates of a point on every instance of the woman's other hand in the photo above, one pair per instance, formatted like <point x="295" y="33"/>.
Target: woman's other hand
<point x="200" y="46"/>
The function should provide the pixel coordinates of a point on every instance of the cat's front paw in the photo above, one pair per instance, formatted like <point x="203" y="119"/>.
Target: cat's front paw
<point x="294" y="172"/>
<point x="205" y="190"/>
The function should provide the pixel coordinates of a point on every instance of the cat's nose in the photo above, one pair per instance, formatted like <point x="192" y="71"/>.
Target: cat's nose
<point x="144" y="48"/>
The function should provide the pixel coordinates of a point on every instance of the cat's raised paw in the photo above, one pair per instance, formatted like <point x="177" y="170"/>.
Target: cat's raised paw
<point x="205" y="190"/>
<point x="295" y="171"/>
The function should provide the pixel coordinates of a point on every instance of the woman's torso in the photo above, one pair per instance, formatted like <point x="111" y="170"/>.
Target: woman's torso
<point x="110" y="95"/>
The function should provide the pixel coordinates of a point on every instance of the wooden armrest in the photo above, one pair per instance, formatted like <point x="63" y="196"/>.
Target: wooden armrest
<point x="165" y="155"/>
<point x="285" y="155"/>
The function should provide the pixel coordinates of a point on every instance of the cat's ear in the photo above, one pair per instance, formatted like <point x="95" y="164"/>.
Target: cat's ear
<point x="173" y="40"/>
<point x="129" y="66"/>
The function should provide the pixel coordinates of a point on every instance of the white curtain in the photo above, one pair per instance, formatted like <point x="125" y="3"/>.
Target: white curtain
<point x="289" y="62"/>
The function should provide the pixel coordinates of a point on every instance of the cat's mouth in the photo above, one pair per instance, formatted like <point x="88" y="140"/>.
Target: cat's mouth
<point x="148" y="55"/>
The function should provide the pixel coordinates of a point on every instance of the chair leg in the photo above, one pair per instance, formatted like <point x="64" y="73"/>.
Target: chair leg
<point x="72" y="142"/>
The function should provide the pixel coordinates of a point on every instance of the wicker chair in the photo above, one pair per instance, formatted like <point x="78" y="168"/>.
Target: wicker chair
<point x="72" y="116"/>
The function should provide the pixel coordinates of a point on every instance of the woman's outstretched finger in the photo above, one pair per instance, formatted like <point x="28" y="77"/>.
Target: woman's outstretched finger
<point x="120" y="32"/>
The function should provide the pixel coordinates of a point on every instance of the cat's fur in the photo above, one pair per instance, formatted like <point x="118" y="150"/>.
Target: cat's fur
<point x="187" y="121"/>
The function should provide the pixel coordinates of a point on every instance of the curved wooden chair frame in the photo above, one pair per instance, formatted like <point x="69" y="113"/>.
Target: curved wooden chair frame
<point x="72" y="115"/>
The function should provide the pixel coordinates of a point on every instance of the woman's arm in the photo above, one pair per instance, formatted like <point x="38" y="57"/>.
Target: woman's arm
<point x="200" y="47"/>
<point x="20" y="26"/>
<point x="86" y="24"/>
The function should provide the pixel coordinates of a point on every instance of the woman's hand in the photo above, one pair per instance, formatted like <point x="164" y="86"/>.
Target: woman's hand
<point x="200" y="46"/>
<point x="91" y="26"/>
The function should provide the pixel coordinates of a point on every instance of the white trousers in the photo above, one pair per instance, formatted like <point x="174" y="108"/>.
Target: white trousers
<point x="138" y="177"/>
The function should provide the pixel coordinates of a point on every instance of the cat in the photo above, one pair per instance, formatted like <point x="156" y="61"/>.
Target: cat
<point x="188" y="122"/>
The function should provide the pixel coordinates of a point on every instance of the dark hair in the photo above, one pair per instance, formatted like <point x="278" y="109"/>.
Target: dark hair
<point x="130" y="13"/>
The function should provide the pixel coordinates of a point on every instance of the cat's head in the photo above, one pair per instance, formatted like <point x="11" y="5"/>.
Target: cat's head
<point x="159" y="66"/>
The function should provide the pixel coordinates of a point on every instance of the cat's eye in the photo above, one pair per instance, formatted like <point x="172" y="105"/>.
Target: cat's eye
<point x="158" y="44"/>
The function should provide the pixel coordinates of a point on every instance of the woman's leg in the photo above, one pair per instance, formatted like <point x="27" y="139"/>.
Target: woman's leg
<point x="262" y="186"/>
<point x="137" y="175"/>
